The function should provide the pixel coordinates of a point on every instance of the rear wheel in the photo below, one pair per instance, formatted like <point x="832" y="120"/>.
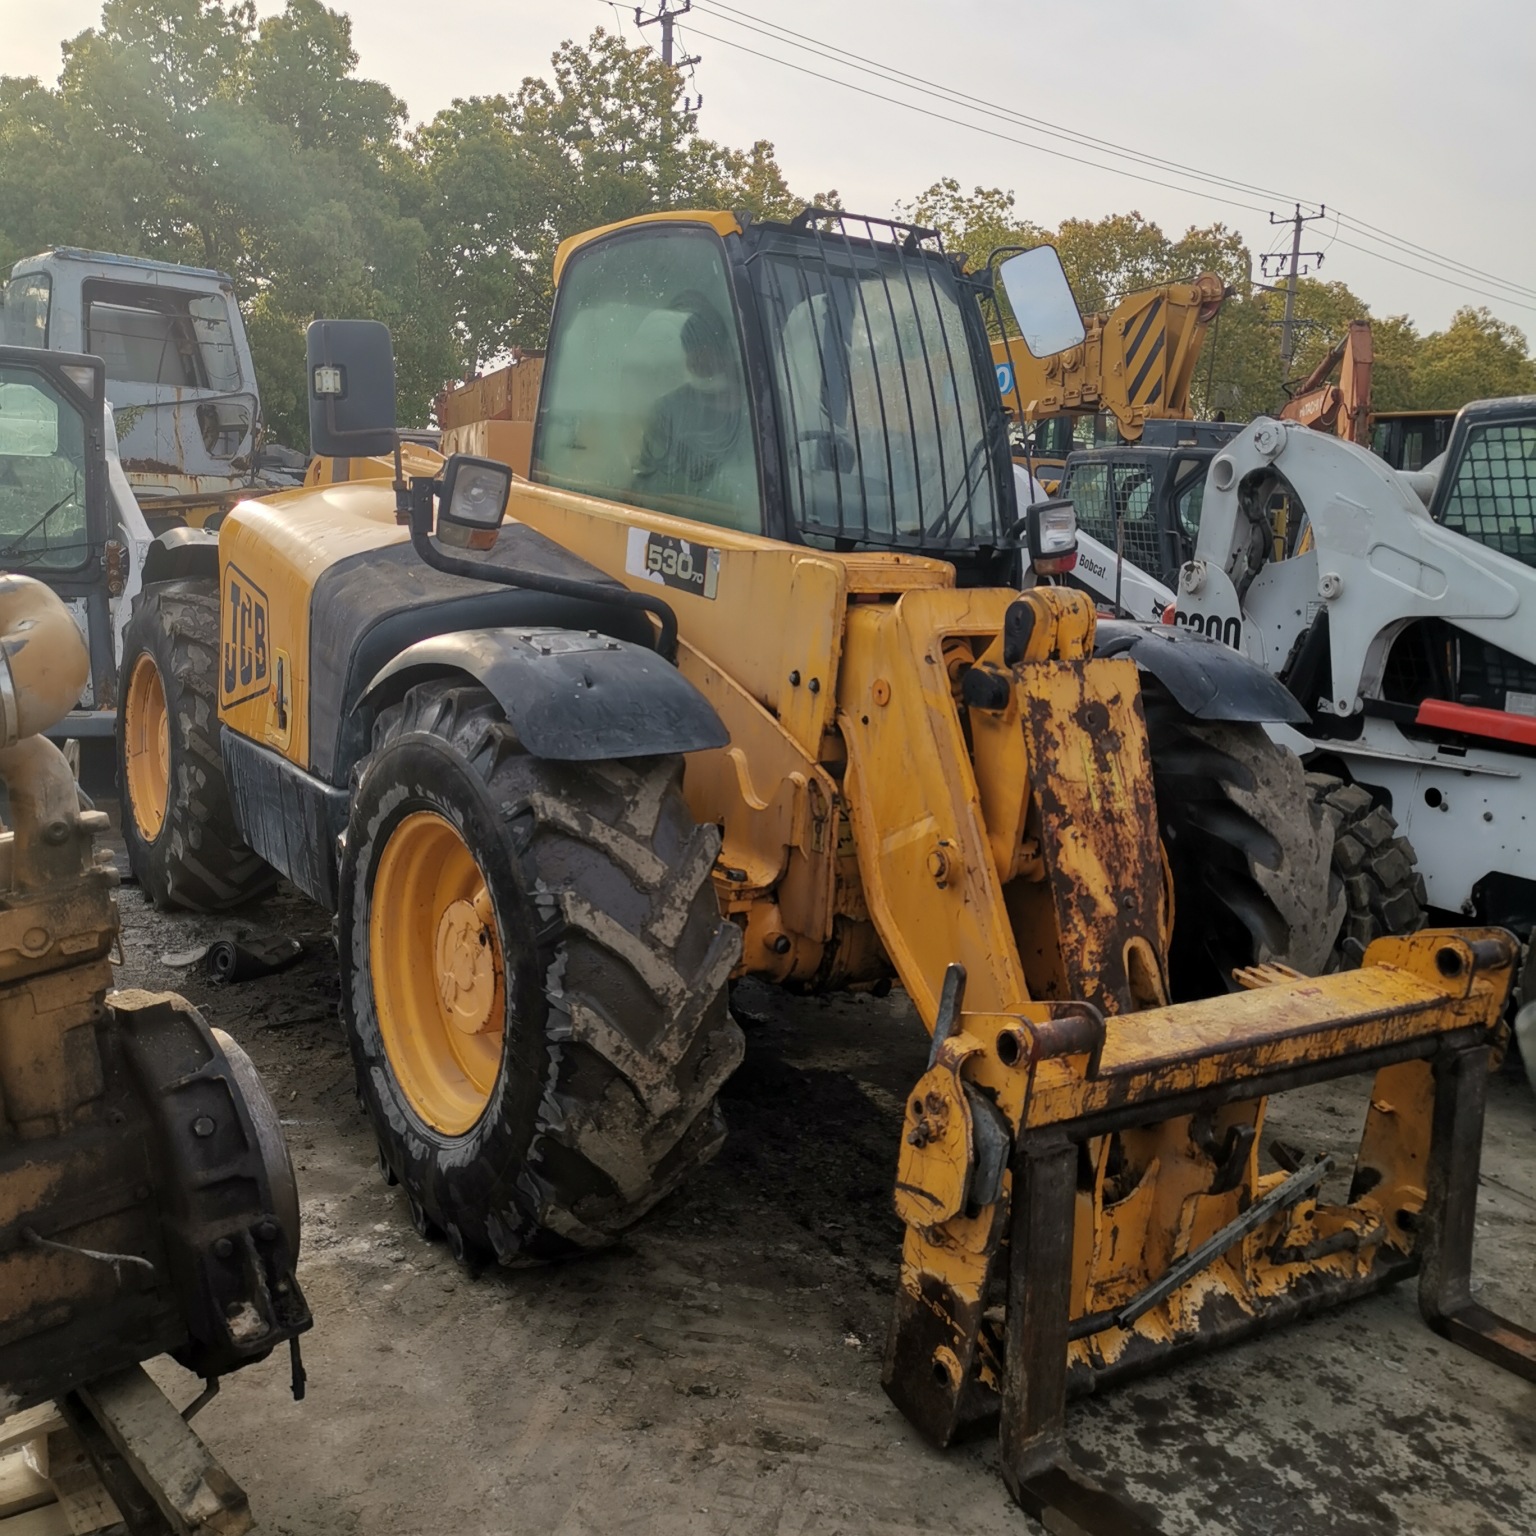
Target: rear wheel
<point x="1373" y="865"/>
<point x="534" y="979"/>
<point x="1249" y="851"/>
<point x="178" y="823"/>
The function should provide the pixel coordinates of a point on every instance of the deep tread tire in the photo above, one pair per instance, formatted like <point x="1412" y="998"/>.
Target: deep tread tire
<point x="197" y="860"/>
<point x="1374" y="865"/>
<point x="1249" y="851"/>
<point x="618" y="1036"/>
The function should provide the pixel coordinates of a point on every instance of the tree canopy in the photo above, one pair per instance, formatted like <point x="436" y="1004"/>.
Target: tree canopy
<point x="192" y="131"/>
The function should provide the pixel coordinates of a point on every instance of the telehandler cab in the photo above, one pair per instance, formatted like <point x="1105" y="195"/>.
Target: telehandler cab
<point x="746" y="684"/>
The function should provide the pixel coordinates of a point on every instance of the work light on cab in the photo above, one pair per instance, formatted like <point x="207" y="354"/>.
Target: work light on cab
<point x="472" y="501"/>
<point x="1051" y="528"/>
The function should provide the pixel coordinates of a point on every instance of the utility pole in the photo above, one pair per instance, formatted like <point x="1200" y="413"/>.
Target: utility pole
<point x="666" y="15"/>
<point x="1297" y="220"/>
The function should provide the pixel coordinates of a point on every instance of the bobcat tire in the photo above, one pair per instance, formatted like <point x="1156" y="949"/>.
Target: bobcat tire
<point x="1249" y="851"/>
<point x="1374" y="865"/>
<point x="534" y="971"/>
<point x="178" y="824"/>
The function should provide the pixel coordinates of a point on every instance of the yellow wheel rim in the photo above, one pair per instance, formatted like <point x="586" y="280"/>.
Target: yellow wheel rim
<point x="147" y="748"/>
<point x="439" y="986"/>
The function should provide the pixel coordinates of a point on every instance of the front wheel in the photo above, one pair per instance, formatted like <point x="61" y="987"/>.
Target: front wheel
<point x="178" y="823"/>
<point x="1250" y="851"/>
<point x="534" y="979"/>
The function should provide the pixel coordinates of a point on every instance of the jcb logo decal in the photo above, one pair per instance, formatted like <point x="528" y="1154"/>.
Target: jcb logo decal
<point x="245" y="660"/>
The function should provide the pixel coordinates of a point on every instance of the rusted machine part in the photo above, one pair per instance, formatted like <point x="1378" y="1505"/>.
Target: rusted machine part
<point x="1135" y="1200"/>
<point x="1343" y="409"/>
<point x="146" y="1200"/>
<point x="43" y="660"/>
<point x="1079" y="1176"/>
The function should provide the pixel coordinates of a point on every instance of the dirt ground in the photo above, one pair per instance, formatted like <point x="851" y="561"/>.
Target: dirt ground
<point x="719" y="1372"/>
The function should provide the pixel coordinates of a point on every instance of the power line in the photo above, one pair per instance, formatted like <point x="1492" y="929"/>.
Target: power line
<point x="1298" y="221"/>
<point x="1008" y="138"/>
<point x="1408" y="247"/>
<point x="667" y="17"/>
<point x="1438" y="277"/>
<point x="889" y="73"/>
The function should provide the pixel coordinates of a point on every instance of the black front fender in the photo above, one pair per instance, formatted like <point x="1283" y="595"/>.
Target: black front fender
<point x="569" y="695"/>
<point x="1207" y="679"/>
<point x="182" y="553"/>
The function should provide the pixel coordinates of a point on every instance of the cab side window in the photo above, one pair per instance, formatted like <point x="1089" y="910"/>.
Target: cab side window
<point x="25" y="321"/>
<point x="645" y="389"/>
<point x="1493" y="497"/>
<point x="42" y="476"/>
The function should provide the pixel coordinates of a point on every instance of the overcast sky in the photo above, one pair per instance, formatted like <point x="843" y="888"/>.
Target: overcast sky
<point x="1415" y="117"/>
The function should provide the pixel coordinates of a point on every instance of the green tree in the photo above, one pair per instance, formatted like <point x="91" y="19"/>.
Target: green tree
<point x="1395" y="343"/>
<point x="605" y="138"/>
<point x="1477" y="357"/>
<point x="972" y="223"/>
<point x="1108" y="258"/>
<point x="186" y="131"/>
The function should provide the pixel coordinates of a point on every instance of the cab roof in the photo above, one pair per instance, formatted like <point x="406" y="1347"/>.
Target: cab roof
<point x="721" y="222"/>
<point x="114" y="259"/>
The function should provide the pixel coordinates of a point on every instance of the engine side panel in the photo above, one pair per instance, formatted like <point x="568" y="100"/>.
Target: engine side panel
<point x="320" y="589"/>
<point x="272" y="554"/>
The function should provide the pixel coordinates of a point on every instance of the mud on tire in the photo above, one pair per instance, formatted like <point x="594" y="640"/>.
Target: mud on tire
<point x="196" y="859"/>
<point x="617" y="1036"/>
<point x="1374" y="866"/>
<point x="1249" y="850"/>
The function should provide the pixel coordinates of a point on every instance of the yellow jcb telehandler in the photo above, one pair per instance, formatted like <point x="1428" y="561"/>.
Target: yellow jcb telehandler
<point x="761" y="673"/>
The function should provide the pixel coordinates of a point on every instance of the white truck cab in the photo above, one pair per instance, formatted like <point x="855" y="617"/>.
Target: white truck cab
<point x="178" y="367"/>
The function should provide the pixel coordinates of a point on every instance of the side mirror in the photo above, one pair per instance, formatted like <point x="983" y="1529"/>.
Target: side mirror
<point x="1042" y="301"/>
<point x="351" y="386"/>
<point x="472" y="501"/>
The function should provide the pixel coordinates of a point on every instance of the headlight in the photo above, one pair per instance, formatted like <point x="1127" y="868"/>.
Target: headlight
<point x="472" y="502"/>
<point x="1052" y="534"/>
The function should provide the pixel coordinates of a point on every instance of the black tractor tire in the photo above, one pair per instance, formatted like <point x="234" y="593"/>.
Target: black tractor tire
<point x="196" y="858"/>
<point x="1249" y="851"/>
<point x="615" y="962"/>
<point x="1374" y="865"/>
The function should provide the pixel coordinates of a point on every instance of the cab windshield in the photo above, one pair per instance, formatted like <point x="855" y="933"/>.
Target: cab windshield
<point x="890" y="439"/>
<point x="42" y="476"/>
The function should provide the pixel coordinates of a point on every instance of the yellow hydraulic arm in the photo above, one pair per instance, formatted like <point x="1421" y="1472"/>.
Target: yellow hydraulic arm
<point x="1136" y="361"/>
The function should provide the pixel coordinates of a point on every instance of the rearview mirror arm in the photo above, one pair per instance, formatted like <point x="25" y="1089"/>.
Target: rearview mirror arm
<point x="420" y="497"/>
